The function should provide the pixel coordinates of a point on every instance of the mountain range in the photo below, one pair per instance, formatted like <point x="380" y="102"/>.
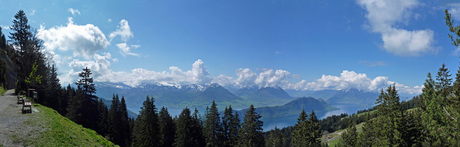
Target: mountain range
<point x="201" y="96"/>
<point x="277" y="106"/>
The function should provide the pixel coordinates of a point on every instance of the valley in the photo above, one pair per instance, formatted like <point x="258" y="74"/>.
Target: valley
<point x="277" y="106"/>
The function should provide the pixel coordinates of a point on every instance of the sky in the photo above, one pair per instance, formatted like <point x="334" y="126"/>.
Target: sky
<point x="292" y="44"/>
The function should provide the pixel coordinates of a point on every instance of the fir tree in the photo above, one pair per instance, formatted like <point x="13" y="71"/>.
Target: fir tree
<point x="124" y="128"/>
<point x="314" y="130"/>
<point x="103" y="124"/>
<point x="230" y="126"/>
<point x="189" y="130"/>
<point x="349" y="137"/>
<point x="275" y="139"/>
<point x="251" y="129"/>
<point x="168" y="128"/>
<point x="367" y="137"/>
<point x="146" y="130"/>
<point x="300" y="134"/>
<point x="212" y="128"/>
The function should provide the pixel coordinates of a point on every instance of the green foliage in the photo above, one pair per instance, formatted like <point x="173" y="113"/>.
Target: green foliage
<point x="168" y="128"/>
<point x="231" y="126"/>
<point x="33" y="77"/>
<point x="119" y="130"/>
<point x="453" y="29"/>
<point x="147" y="131"/>
<point x="350" y="136"/>
<point x="212" y="128"/>
<point x="250" y="134"/>
<point x="306" y="131"/>
<point x="189" y="130"/>
<point x="275" y="139"/>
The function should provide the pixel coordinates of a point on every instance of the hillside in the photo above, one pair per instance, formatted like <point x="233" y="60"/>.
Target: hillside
<point x="265" y="96"/>
<point x="286" y="115"/>
<point x="200" y="96"/>
<point x="43" y="127"/>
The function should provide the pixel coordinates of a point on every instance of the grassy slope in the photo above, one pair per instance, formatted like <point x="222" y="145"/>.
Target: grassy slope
<point x="60" y="131"/>
<point x="339" y="132"/>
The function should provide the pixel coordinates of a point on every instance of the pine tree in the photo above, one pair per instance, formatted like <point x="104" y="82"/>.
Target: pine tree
<point x="197" y="129"/>
<point x="212" y="128"/>
<point x="146" y="130"/>
<point x="103" y="123"/>
<point x="314" y="129"/>
<point x="88" y="107"/>
<point x="124" y="125"/>
<point x="251" y="129"/>
<point x="168" y="128"/>
<point x="367" y="136"/>
<point x="189" y="130"/>
<point x="350" y="136"/>
<point x="275" y="139"/>
<point x="231" y="126"/>
<point x="115" y="133"/>
<point x="300" y="134"/>
<point x="184" y="136"/>
<point x="443" y="81"/>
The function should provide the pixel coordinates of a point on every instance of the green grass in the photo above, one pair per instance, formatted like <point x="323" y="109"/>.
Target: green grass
<point x="2" y="90"/>
<point x="60" y="131"/>
<point x="338" y="133"/>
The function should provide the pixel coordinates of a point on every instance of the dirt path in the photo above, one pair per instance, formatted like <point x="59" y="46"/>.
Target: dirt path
<point x="13" y="130"/>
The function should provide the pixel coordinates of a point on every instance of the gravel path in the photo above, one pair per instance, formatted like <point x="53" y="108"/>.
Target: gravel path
<point x="13" y="130"/>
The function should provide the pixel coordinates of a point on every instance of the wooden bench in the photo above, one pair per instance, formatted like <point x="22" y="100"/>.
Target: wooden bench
<point x="26" y="104"/>
<point x="20" y="99"/>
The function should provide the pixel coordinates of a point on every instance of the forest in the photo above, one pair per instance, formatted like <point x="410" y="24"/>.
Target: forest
<point x="430" y="119"/>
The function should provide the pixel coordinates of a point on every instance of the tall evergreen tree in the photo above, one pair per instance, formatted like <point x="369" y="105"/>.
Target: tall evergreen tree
<point x="314" y="130"/>
<point x="189" y="130"/>
<point x="115" y="133"/>
<point x="443" y="81"/>
<point x="275" y="139"/>
<point x="251" y="129"/>
<point x="168" y="128"/>
<point x="212" y="127"/>
<point x="367" y="137"/>
<point x="230" y="126"/>
<point x="349" y="137"/>
<point x="124" y="125"/>
<point x="146" y="130"/>
<point x="300" y="134"/>
<point x="103" y="122"/>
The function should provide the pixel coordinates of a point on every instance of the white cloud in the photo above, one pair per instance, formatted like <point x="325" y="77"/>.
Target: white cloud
<point x="198" y="74"/>
<point x="32" y="13"/>
<point x="455" y="10"/>
<point x="74" y="11"/>
<point x="109" y="20"/>
<point x="5" y="27"/>
<point x="384" y="15"/>
<point x="123" y="31"/>
<point x="126" y="50"/>
<point x="84" y="40"/>
<point x="351" y="79"/>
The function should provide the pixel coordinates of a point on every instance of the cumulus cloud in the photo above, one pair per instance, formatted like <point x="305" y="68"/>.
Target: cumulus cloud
<point x="455" y="10"/>
<point x="351" y="79"/>
<point x="198" y="74"/>
<point x="84" y="40"/>
<point x="100" y="66"/>
<point x="74" y="11"/>
<point x="384" y="15"/>
<point x="123" y="31"/>
<point x="126" y="50"/>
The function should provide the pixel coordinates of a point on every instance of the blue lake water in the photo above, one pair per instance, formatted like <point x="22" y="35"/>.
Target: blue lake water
<point x="344" y="108"/>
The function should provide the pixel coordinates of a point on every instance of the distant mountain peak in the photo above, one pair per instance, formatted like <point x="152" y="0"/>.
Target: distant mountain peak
<point x="214" y="85"/>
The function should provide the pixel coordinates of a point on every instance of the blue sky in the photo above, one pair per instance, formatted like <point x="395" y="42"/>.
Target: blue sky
<point x="304" y="45"/>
